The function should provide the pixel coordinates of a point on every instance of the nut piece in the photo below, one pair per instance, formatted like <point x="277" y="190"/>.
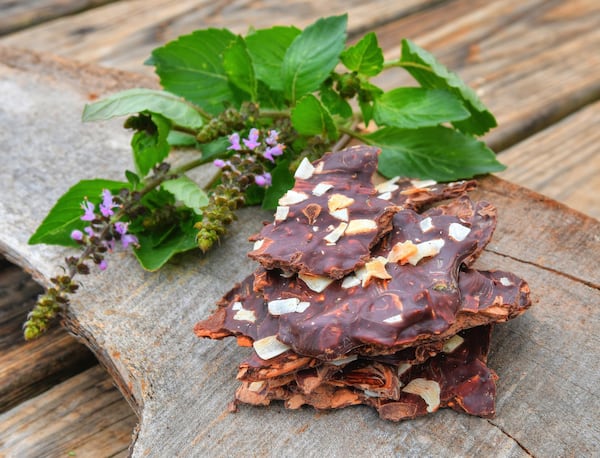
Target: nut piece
<point x="292" y="197"/>
<point x="335" y="235"/>
<point x="458" y="232"/>
<point x="426" y="250"/>
<point x="305" y="170"/>
<point x="269" y="347"/>
<point x="452" y="343"/>
<point x="312" y="212"/>
<point x="375" y="269"/>
<point x="315" y="282"/>
<point x="243" y="314"/>
<point x="401" y="251"/>
<point x="339" y="201"/>
<point x="429" y="390"/>
<point x="360" y="226"/>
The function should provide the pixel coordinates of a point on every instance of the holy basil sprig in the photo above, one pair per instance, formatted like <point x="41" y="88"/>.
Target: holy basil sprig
<point x="256" y="105"/>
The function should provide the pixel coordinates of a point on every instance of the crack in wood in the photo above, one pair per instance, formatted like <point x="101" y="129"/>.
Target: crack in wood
<point x="507" y="434"/>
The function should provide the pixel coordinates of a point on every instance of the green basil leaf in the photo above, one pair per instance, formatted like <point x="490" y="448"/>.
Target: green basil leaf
<point x="312" y="56"/>
<point x="414" y="107"/>
<point x="187" y="192"/>
<point x="133" y="101"/>
<point x="192" y="67"/>
<point x="310" y="117"/>
<point x="176" y="138"/>
<point x="365" y="57"/>
<point x="438" y="153"/>
<point x="367" y="93"/>
<point x="282" y="180"/>
<point x="150" y="148"/>
<point x="153" y="256"/>
<point x="215" y="148"/>
<point x="267" y="48"/>
<point x="437" y="76"/>
<point x="238" y="66"/>
<point x="66" y="214"/>
<point x="334" y="102"/>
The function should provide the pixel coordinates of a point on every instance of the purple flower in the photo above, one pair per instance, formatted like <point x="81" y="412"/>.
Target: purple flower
<point x="220" y="163"/>
<point x="273" y="151"/>
<point x="107" y="203"/>
<point x="77" y="235"/>
<point x="128" y="239"/>
<point x="271" y="140"/>
<point x="102" y="265"/>
<point x="121" y="227"/>
<point x="234" y="139"/>
<point x="89" y="231"/>
<point x="263" y="180"/>
<point x="88" y="207"/>
<point x="252" y="141"/>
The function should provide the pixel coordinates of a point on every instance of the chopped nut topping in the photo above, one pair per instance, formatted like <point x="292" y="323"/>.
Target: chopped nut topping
<point x="305" y="170"/>
<point x="281" y="213"/>
<point x="315" y="282"/>
<point x="312" y="212"/>
<point x="426" y="225"/>
<point x="452" y="343"/>
<point x="321" y="189"/>
<point x="269" y="347"/>
<point x="341" y="214"/>
<point x="401" y="251"/>
<point x="429" y="390"/>
<point x="292" y="197"/>
<point x="360" y="226"/>
<point x="387" y="186"/>
<point x="458" y="232"/>
<point x="335" y="235"/>
<point x="339" y="201"/>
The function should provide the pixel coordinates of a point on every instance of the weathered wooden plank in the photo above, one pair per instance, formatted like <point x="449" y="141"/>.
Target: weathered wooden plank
<point x="108" y="36"/>
<point x="562" y="161"/>
<point x="26" y="13"/>
<point x="83" y="416"/>
<point x="140" y="323"/>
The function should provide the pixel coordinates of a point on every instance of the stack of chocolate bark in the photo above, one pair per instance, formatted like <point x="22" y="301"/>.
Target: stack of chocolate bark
<point x="365" y="294"/>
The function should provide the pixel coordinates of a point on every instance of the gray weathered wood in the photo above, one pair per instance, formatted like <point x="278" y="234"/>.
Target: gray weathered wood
<point x="140" y="324"/>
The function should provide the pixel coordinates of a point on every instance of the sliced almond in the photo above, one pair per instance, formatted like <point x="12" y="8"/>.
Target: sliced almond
<point x="305" y="170"/>
<point x="316" y="283"/>
<point x="341" y="214"/>
<point x="360" y="226"/>
<point x="458" y="232"/>
<point x="452" y="343"/>
<point x="283" y="306"/>
<point x="269" y="347"/>
<point x="429" y="390"/>
<point x="321" y="189"/>
<point x="401" y="251"/>
<point x="387" y="186"/>
<point x="335" y="235"/>
<point x="425" y="250"/>
<point x="426" y="224"/>
<point x="338" y="201"/>
<point x="292" y="197"/>
<point x="350" y="281"/>
<point x="281" y="213"/>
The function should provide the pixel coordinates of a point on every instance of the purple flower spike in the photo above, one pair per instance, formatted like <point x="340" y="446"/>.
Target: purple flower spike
<point x="252" y="141"/>
<point x="273" y="151"/>
<point x="220" y="163"/>
<point x="234" y="139"/>
<point x="103" y="265"/>
<point x="88" y="207"/>
<point x="271" y="140"/>
<point x="107" y="203"/>
<point x="121" y="228"/>
<point x="263" y="180"/>
<point x="89" y="231"/>
<point x="77" y="235"/>
<point x="129" y="239"/>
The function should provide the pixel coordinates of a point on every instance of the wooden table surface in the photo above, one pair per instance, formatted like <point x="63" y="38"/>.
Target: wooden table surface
<point x="534" y="63"/>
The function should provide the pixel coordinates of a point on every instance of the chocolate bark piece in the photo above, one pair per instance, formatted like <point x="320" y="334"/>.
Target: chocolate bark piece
<point x="328" y="223"/>
<point x="457" y="378"/>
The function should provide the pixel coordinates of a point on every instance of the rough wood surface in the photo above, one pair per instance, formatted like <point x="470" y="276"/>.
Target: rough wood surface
<point x="83" y="416"/>
<point x="140" y="324"/>
<point x="17" y="15"/>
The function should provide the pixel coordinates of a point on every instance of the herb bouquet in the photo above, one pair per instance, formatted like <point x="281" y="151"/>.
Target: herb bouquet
<point x="255" y="106"/>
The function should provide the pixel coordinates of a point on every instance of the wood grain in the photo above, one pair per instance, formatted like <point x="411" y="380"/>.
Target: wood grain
<point x="17" y="15"/>
<point x="45" y="426"/>
<point x="140" y="324"/>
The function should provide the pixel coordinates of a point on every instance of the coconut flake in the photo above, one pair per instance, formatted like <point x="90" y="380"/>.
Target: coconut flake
<point x="338" y="201"/>
<point x="385" y="196"/>
<point x="402" y="368"/>
<point x="341" y="214"/>
<point x="401" y="251"/>
<point x="269" y="347"/>
<point x="360" y="226"/>
<point x="282" y="306"/>
<point x="388" y="186"/>
<point x="425" y="250"/>
<point x="452" y="343"/>
<point x="258" y="244"/>
<point x="321" y="189"/>
<point x="315" y="282"/>
<point x="281" y="213"/>
<point x="255" y="387"/>
<point x="343" y="360"/>
<point x="335" y="235"/>
<point x="351" y="281"/>
<point x="426" y="225"/>
<point x="429" y="390"/>
<point x="305" y="170"/>
<point x="302" y="306"/>
<point x="458" y="232"/>
<point x="423" y="183"/>
<point x="394" y="319"/>
<point x="243" y="314"/>
<point x="505" y="281"/>
<point x="375" y="269"/>
<point x="292" y="197"/>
